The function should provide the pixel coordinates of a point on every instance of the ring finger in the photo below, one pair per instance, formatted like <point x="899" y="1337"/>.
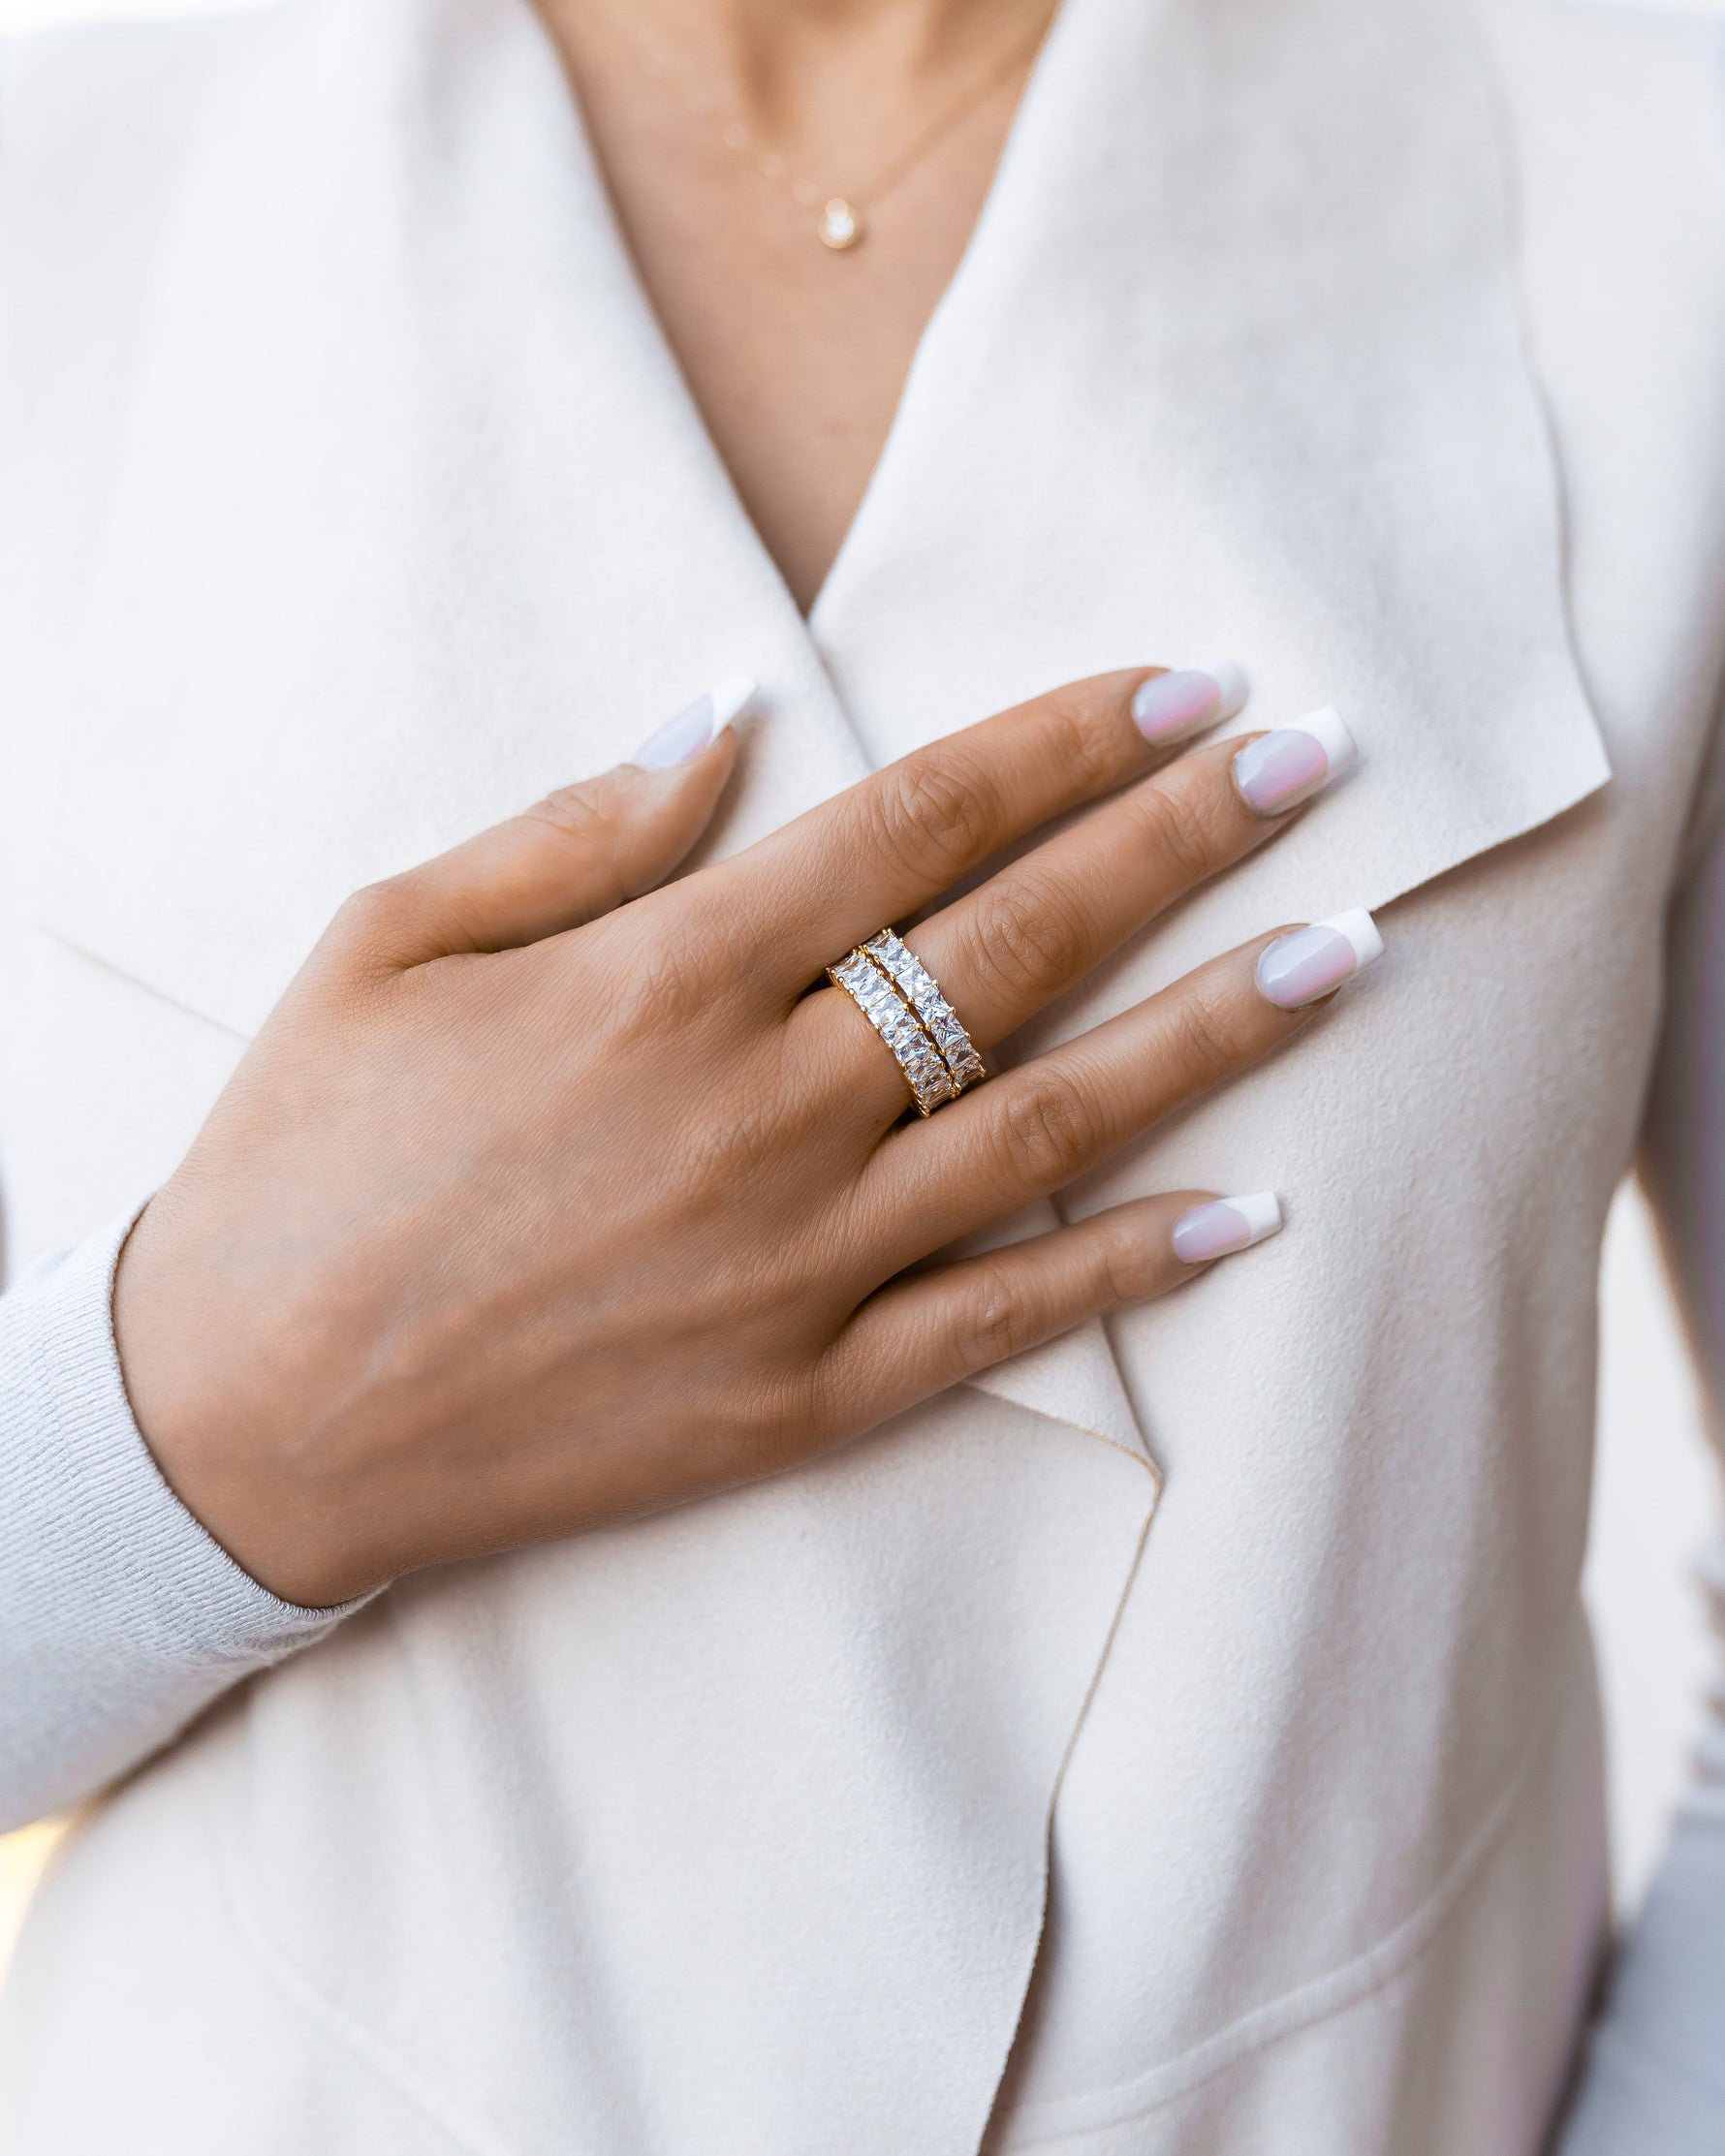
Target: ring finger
<point x="1033" y="1130"/>
<point x="1002" y="952"/>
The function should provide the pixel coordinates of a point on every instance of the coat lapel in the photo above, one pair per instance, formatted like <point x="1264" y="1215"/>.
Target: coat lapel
<point x="1235" y="365"/>
<point x="414" y="518"/>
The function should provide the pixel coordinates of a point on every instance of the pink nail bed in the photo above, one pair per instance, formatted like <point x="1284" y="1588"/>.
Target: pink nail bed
<point x="1172" y="705"/>
<point x="1308" y="963"/>
<point x="1225" y="1225"/>
<point x="1279" y="771"/>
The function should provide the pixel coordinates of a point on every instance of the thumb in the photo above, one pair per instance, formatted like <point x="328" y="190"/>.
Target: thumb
<point x="579" y="852"/>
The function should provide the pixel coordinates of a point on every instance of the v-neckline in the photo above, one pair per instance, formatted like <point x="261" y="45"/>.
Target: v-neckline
<point x="928" y="339"/>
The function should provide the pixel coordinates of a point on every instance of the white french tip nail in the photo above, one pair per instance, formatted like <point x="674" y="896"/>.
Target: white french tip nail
<point x="1328" y="729"/>
<point x="1310" y="962"/>
<point x="1234" y="682"/>
<point x="729" y="697"/>
<point x="1221" y="1225"/>
<point x="681" y="739"/>
<point x="1262" y="1212"/>
<point x="1358" y="929"/>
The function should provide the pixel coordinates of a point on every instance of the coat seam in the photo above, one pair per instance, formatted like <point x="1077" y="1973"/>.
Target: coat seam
<point x="1354" y="1981"/>
<point x="356" y="2043"/>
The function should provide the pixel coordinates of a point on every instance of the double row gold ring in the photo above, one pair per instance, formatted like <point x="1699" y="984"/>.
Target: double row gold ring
<point x="899" y="997"/>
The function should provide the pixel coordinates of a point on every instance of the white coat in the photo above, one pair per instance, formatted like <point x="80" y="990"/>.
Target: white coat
<point x="353" y="499"/>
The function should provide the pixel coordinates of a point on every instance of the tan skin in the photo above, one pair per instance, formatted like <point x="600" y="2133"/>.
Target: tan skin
<point x="795" y="356"/>
<point x="549" y="1195"/>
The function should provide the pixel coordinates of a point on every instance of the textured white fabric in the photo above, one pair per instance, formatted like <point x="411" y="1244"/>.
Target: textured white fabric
<point x="119" y="1617"/>
<point x="352" y="499"/>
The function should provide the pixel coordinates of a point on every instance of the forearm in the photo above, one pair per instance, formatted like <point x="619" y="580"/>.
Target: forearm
<point x="119" y="1617"/>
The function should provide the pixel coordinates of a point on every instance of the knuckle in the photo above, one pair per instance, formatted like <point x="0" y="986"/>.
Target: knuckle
<point x="576" y="811"/>
<point x="1208" y="1037"/>
<point x="1045" y="1130"/>
<point x="1184" y="823"/>
<point x="373" y="902"/>
<point x="1124" y="1268"/>
<point x="1085" y="734"/>
<point x="368" y="920"/>
<point x="1028" y="935"/>
<point x="933" y="812"/>
<point x="995" y="1320"/>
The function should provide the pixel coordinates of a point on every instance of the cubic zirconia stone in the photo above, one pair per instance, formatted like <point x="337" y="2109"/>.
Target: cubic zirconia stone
<point x="937" y="1016"/>
<point x="887" y="1009"/>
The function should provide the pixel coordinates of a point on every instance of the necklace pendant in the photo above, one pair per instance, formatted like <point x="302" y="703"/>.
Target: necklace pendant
<point x="839" y="224"/>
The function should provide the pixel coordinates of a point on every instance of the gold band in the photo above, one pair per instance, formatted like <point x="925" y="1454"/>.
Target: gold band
<point x="900" y="1000"/>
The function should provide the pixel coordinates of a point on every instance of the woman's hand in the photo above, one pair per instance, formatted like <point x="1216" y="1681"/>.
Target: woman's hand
<point x="546" y="1197"/>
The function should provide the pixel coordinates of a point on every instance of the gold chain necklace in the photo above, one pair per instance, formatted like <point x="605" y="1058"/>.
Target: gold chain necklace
<point x="840" y="223"/>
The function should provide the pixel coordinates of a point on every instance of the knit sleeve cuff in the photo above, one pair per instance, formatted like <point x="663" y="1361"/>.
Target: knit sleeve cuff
<point x="120" y="1616"/>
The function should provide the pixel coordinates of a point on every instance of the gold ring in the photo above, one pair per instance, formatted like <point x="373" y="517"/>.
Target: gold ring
<point x="899" y="997"/>
<point x="940" y="1021"/>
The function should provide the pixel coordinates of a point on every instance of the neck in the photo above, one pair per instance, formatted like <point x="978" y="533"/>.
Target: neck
<point x="781" y="65"/>
<point x="797" y="180"/>
<point x="911" y="27"/>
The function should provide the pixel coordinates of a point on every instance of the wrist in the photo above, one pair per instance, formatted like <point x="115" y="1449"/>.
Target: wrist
<point x="195" y="1373"/>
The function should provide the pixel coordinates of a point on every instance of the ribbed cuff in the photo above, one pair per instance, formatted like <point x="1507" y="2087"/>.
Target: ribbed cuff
<point x="120" y="1617"/>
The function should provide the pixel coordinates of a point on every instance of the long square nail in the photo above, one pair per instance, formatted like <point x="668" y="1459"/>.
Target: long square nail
<point x="1279" y="771"/>
<point x="1310" y="962"/>
<point x="1225" y="1225"/>
<point x="1170" y="707"/>
<point x="681" y="739"/>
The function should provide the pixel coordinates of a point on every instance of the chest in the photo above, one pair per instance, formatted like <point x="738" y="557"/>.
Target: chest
<point x="795" y="352"/>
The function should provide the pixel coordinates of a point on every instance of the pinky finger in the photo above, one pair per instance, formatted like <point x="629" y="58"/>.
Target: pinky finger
<point x="930" y="1330"/>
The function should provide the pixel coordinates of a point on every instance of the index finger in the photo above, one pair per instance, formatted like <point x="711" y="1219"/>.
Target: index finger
<point x="887" y="845"/>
